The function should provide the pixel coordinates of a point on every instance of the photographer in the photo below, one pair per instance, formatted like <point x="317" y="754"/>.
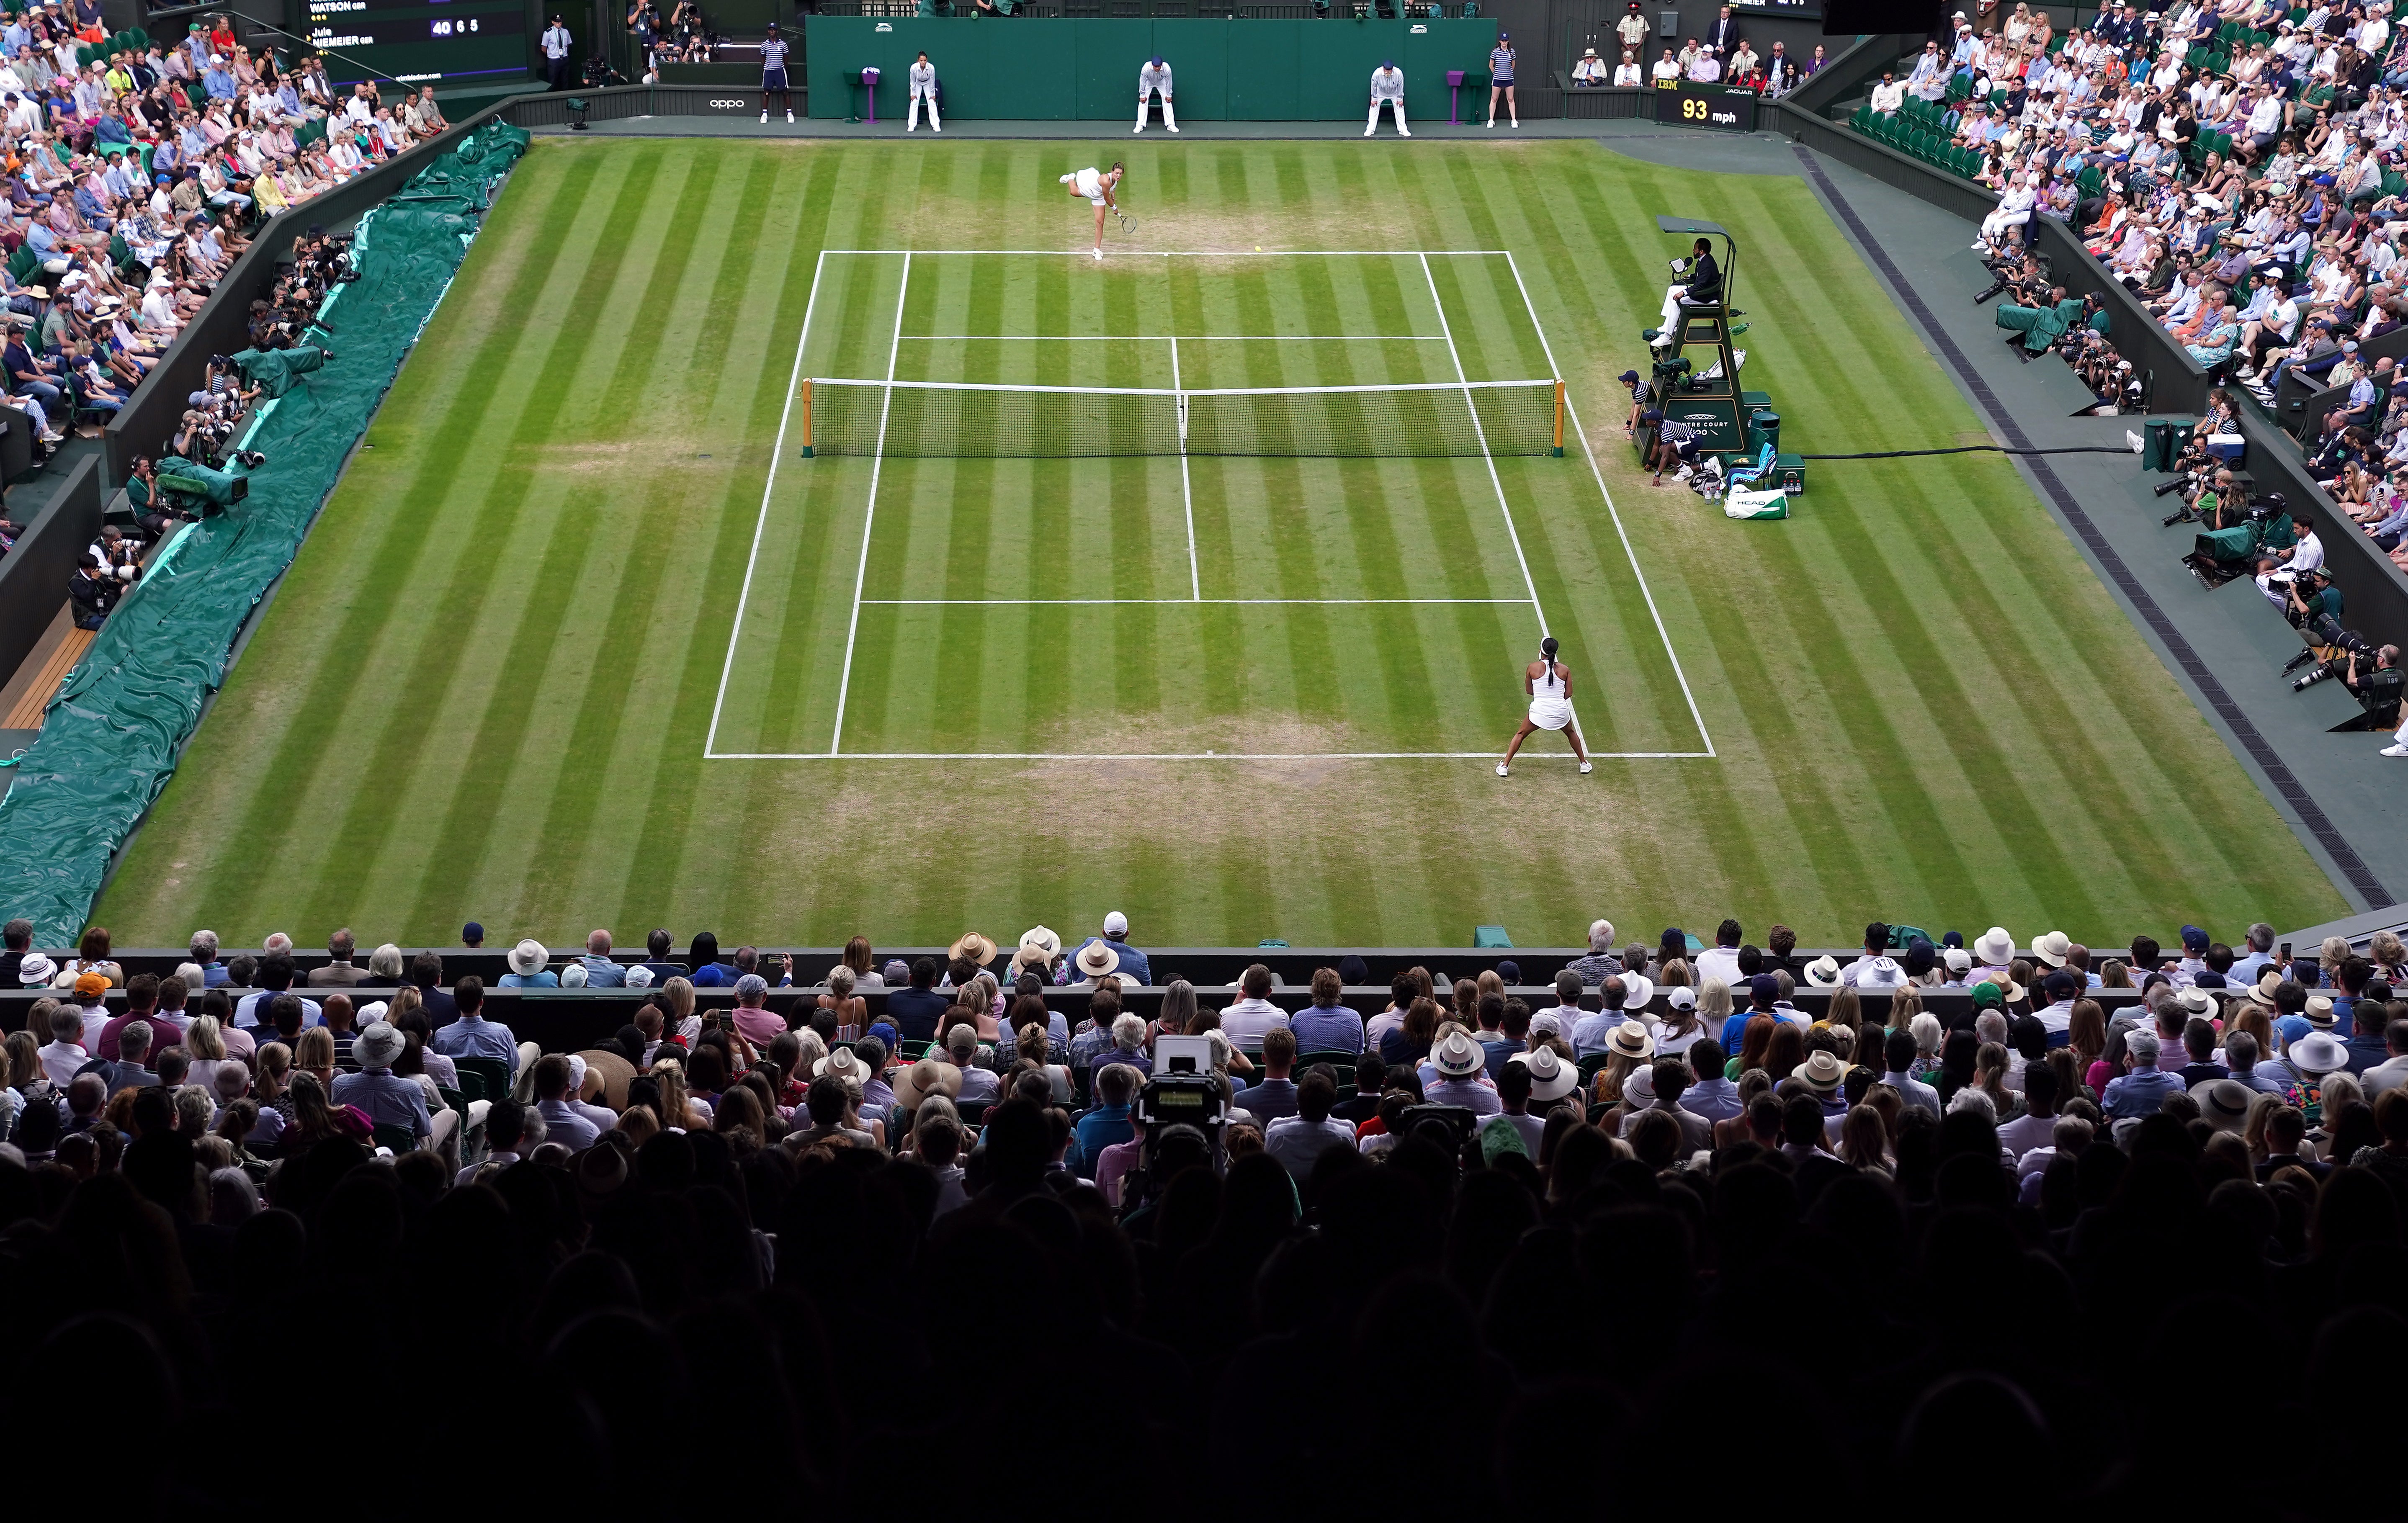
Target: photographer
<point x="95" y="591"/>
<point x="2374" y="681"/>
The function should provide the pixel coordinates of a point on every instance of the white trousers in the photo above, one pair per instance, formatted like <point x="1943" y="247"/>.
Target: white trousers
<point x="911" y="117"/>
<point x="1673" y="296"/>
<point x="1371" y="122"/>
<point x="1995" y="226"/>
<point x="1170" y="117"/>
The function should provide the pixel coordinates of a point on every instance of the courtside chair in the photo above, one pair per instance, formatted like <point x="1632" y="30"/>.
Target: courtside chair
<point x="494" y="1073"/>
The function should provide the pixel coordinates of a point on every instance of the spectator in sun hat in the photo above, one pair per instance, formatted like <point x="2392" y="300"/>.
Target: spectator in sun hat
<point x="1040" y="952"/>
<point x="384" y="1098"/>
<point x="1993" y="949"/>
<point x="528" y="968"/>
<point x="2052" y="948"/>
<point x="1823" y="973"/>
<point x="1460" y="1063"/>
<point x="1822" y="1072"/>
<point x="1129" y="964"/>
<point x="35" y="971"/>
<point x="1095" y="958"/>
<point x="1551" y="1077"/>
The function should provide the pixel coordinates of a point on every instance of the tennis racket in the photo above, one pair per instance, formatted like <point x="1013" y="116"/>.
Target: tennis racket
<point x="1129" y="224"/>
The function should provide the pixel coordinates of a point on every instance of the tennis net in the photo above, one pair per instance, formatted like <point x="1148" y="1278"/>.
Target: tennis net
<point x="971" y="421"/>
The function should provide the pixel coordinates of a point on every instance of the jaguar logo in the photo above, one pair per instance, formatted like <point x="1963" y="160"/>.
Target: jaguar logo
<point x="886" y="26"/>
<point x="1420" y="30"/>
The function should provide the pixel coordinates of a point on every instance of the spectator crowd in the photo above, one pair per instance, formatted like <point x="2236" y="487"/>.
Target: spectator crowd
<point x="133" y="170"/>
<point x="1967" y="1151"/>
<point x="2237" y="165"/>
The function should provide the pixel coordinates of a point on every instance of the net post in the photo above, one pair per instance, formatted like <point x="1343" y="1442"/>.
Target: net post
<point x="807" y="419"/>
<point x="1559" y="418"/>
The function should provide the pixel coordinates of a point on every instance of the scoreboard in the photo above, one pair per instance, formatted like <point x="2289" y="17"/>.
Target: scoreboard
<point x="418" y="42"/>
<point x="1723" y="107"/>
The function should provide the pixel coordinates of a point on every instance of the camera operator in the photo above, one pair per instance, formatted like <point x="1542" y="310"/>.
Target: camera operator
<point x="2313" y="597"/>
<point x="96" y="591"/>
<point x="1162" y="1158"/>
<point x="2367" y="681"/>
<point x="2019" y="272"/>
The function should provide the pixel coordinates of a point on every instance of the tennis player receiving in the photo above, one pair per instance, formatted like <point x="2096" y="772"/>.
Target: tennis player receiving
<point x="1097" y="189"/>
<point x="1549" y="683"/>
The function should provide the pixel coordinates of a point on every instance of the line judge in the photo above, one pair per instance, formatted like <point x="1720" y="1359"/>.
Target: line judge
<point x="1154" y="78"/>
<point x="1388" y="88"/>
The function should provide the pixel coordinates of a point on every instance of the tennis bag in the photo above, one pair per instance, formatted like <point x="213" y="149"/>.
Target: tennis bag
<point x="1741" y="503"/>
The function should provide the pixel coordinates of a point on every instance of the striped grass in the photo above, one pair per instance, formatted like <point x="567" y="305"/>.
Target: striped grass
<point x="484" y="690"/>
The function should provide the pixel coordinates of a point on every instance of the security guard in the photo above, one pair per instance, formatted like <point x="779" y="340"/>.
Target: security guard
<point x="556" y="43"/>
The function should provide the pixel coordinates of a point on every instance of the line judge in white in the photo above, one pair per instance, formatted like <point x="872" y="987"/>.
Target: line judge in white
<point x="1096" y="188"/>
<point x="1387" y="85"/>
<point x="1549" y="683"/>
<point x="924" y="91"/>
<point x="1152" y="79"/>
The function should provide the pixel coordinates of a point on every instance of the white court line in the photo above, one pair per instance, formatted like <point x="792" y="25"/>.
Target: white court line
<point x="1083" y="602"/>
<point x="1196" y="756"/>
<point x="1193" y="339"/>
<point x="1586" y="448"/>
<point x="1482" y="434"/>
<point x="870" y="516"/>
<point x="711" y="739"/>
<point x="1186" y="491"/>
<point x="1186" y="253"/>
<point x="1621" y="534"/>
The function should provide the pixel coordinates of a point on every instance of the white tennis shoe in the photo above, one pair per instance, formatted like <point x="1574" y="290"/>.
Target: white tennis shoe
<point x="1587" y="767"/>
<point x="1501" y="772"/>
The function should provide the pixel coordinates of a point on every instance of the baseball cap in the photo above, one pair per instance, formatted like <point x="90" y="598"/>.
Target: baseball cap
<point x="472" y="932"/>
<point x="1628" y="376"/>
<point x="1653" y="415"/>
<point x="1115" y="924"/>
<point x="2194" y="938"/>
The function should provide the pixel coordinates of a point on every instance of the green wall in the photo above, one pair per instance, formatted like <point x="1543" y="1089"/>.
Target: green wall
<point x="1062" y="70"/>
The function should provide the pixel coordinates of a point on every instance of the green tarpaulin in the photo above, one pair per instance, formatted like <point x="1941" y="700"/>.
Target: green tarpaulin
<point x="111" y="735"/>
<point x="276" y="369"/>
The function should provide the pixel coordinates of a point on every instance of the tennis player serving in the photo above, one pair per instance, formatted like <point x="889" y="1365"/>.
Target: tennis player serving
<point x="1096" y="188"/>
<point x="1549" y="683"/>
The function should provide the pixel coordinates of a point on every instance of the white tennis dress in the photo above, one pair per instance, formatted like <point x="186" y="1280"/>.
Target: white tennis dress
<point x="1091" y="185"/>
<point x="1550" y="709"/>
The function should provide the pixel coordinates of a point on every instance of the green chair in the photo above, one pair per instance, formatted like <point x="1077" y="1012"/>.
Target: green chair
<point x="400" y="1139"/>
<point x="491" y="1072"/>
<point x="454" y="1100"/>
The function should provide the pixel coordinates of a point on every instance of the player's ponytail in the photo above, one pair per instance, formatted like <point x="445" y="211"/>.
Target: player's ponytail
<point x="1547" y="648"/>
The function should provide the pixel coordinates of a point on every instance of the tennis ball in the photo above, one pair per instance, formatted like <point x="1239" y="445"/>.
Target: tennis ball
<point x="1258" y="248"/>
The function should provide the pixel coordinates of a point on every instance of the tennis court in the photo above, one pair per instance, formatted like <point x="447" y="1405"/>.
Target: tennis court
<point x="1160" y="507"/>
<point x="507" y="676"/>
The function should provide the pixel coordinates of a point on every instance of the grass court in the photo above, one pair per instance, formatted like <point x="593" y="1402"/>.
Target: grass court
<point x="583" y="640"/>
